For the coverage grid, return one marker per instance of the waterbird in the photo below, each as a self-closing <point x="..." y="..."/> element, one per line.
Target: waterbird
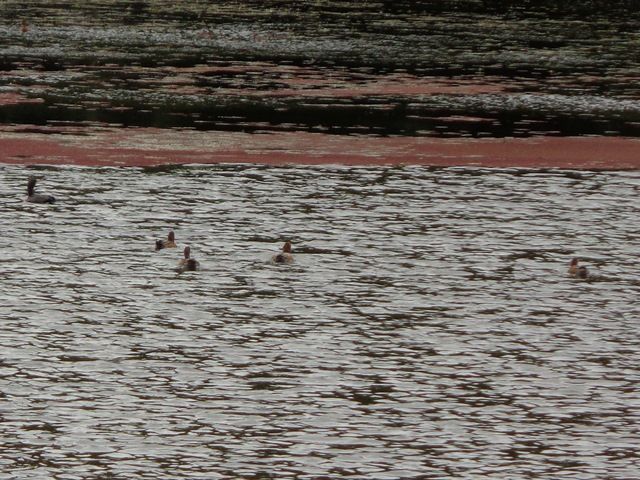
<point x="37" y="197"/>
<point x="170" y="242"/>
<point x="188" y="264"/>
<point x="578" y="271"/>
<point x="285" y="256"/>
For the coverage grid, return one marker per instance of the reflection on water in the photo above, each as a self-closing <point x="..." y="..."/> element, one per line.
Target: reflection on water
<point x="451" y="68"/>
<point x="426" y="330"/>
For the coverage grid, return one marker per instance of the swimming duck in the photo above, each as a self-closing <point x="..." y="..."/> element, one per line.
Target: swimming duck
<point x="285" y="256"/>
<point x="578" y="271"/>
<point x="188" y="264"/>
<point x="170" y="242"/>
<point x="37" y="197"/>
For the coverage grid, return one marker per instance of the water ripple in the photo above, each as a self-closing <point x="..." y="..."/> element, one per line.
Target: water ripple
<point x="426" y="330"/>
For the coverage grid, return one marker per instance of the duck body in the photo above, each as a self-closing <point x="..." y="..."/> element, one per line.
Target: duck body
<point x="41" y="198"/>
<point x="582" y="273"/>
<point x="37" y="197"/>
<point x="285" y="256"/>
<point x="170" y="242"/>
<point x="190" y="265"/>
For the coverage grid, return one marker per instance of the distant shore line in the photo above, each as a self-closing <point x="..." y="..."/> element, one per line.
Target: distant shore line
<point x="152" y="147"/>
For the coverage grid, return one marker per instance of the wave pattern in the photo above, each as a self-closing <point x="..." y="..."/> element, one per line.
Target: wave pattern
<point x="426" y="330"/>
<point x="522" y="69"/>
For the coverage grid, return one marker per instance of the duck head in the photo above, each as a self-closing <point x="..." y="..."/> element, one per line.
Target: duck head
<point x="573" y="267"/>
<point x="287" y="247"/>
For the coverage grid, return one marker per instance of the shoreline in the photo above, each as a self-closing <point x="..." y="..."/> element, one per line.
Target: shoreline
<point x="145" y="147"/>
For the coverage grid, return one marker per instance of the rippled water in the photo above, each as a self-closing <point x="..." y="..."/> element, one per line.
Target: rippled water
<point x="373" y="67"/>
<point x="426" y="330"/>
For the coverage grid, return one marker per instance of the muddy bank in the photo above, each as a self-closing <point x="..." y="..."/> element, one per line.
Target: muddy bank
<point x="149" y="147"/>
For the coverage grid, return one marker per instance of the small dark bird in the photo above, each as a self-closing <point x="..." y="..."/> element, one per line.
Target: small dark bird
<point x="170" y="242"/>
<point x="37" y="197"/>
<point x="579" y="271"/>
<point x="188" y="264"/>
<point x="285" y="256"/>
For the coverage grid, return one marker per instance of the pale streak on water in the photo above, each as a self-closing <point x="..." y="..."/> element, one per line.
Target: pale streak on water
<point x="426" y="330"/>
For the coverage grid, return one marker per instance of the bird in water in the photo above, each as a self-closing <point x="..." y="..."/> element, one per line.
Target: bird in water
<point x="285" y="256"/>
<point x="188" y="264"/>
<point x="578" y="271"/>
<point x="170" y="242"/>
<point x="37" y="197"/>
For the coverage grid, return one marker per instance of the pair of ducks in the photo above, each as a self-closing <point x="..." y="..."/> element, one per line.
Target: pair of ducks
<point x="188" y="264"/>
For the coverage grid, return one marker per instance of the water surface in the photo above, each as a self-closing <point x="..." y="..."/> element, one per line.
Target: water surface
<point x="426" y="330"/>
<point x="451" y="68"/>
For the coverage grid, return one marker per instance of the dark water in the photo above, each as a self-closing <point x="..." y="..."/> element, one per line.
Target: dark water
<point x="426" y="330"/>
<point x="556" y="68"/>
